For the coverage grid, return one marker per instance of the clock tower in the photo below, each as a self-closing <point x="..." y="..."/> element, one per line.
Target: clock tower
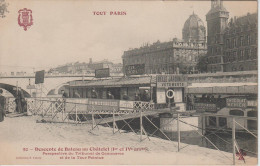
<point x="217" y="21"/>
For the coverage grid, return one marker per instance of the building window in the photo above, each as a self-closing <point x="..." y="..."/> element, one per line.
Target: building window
<point x="239" y="56"/>
<point x="236" y="112"/>
<point x="246" y="54"/>
<point x="232" y="44"/>
<point x="235" y="42"/>
<point x="227" y="43"/>
<point x="242" y="54"/>
<point x="241" y="68"/>
<point x="248" y="40"/>
<point x="235" y="55"/>
<point x="190" y="57"/>
<point x="241" y="40"/>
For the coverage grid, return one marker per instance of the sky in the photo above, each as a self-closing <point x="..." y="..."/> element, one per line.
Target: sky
<point x="68" y="31"/>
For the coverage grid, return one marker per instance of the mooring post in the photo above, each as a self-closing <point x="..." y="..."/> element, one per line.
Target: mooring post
<point x="51" y="110"/>
<point x="76" y="113"/>
<point x="141" y="125"/>
<point x="114" y="123"/>
<point x="93" y="121"/>
<point x="178" y="129"/>
<point x="203" y="125"/>
<point x="42" y="110"/>
<point x="234" y="139"/>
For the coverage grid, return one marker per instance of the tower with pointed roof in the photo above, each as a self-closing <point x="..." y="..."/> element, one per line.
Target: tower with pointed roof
<point x="217" y="21"/>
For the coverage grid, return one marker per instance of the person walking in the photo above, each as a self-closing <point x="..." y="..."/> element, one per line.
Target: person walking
<point x="2" y="106"/>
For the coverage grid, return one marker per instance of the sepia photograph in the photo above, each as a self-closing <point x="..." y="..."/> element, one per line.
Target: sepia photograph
<point x="128" y="82"/>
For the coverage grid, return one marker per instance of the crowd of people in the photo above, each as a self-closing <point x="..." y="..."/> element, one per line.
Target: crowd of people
<point x="144" y="96"/>
<point x="20" y="102"/>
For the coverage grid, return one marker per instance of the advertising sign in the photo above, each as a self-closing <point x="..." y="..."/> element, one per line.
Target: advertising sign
<point x="251" y="103"/>
<point x="205" y="107"/>
<point x="71" y="105"/>
<point x="126" y="105"/>
<point x="39" y="77"/>
<point x="101" y="73"/>
<point x="30" y="87"/>
<point x="236" y="102"/>
<point x="104" y="104"/>
<point x="171" y="80"/>
<point x="160" y="95"/>
<point x="137" y="69"/>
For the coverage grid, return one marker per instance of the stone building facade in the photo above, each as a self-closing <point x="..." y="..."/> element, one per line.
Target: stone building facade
<point x="232" y="46"/>
<point x="175" y="56"/>
<point x="88" y="68"/>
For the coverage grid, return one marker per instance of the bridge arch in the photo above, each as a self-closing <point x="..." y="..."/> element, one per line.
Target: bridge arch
<point x="12" y="89"/>
<point x="57" y="90"/>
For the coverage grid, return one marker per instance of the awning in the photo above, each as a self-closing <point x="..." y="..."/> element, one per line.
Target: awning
<point x="116" y="82"/>
<point x="222" y="88"/>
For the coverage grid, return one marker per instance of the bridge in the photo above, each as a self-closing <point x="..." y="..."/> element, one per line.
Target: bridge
<point x="51" y="82"/>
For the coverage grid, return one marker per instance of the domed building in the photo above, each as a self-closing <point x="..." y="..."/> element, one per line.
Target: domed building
<point x="178" y="56"/>
<point x="194" y="30"/>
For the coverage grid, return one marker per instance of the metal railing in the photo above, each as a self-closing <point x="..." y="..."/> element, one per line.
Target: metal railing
<point x="98" y="111"/>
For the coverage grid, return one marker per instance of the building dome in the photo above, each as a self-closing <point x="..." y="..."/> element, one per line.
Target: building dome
<point x="194" y="30"/>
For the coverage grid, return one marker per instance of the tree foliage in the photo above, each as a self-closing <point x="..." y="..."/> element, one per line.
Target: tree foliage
<point x="202" y="64"/>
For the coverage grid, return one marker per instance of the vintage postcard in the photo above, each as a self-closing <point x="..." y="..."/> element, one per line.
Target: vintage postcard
<point x="128" y="82"/>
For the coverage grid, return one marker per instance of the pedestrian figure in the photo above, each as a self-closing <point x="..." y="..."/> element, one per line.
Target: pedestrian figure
<point x="2" y="106"/>
<point x="137" y="97"/>
<point x="146" y="96"/>
<point x="125" y="96"/>
<point x="63" y="104"/>
<point x="76" y="94"/>
<point x="110" y="96"/>
<point x="19" y="101"/>
<point x="64" y="94"/>
<point x="189" y="102"/>
<point x="94" y="94"/>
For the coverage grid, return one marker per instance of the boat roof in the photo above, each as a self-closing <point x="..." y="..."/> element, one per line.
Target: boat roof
<point x="116" y="82"/>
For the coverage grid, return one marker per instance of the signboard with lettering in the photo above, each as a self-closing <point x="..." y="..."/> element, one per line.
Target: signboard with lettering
<point x="101" y="73"/>
<point x="236" y="102"/>
<point x="160" y="95"/>
<point x="171" y="80"/>
<point x="251" y="103"/>
<point x="126" y="105"/>
<point x="30" y="87"/>
<point x="73" y="103"/>
<point x="39" y="77"/>
<point x="137" y="69"/>
<point x="205" y="107"/>
<point x="103" y="104"/>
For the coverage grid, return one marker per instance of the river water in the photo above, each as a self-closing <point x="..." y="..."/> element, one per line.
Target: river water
<point x="223" y="141"/>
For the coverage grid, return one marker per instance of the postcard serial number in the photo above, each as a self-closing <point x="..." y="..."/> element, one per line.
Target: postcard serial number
<point x="103" y="13"/>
